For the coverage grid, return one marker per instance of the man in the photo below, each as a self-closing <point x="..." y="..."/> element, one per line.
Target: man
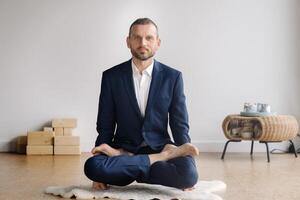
<point x="140" y="96"/>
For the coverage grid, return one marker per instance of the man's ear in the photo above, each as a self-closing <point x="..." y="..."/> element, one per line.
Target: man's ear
<point x="127" y="42"/>
<point x="159" y="42"/>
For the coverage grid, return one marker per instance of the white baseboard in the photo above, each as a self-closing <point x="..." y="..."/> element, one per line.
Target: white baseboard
<point x="10" y="146"/>
<point x="7" y="146"/>
<point x="216" y="146"/>
<point x="244" y="146"/>
<point x="204" y="146"/>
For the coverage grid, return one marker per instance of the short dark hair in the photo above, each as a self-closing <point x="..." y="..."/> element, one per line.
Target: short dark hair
<point x="143" y="21"/>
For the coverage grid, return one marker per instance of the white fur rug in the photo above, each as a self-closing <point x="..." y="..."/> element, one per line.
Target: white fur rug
<point x="138" y="191"/>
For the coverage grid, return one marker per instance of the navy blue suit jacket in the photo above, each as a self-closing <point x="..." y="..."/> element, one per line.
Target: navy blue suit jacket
<point x="120" y="123"/>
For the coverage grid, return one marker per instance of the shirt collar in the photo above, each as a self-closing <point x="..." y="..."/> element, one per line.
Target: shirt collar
<point x="147" y="71"/>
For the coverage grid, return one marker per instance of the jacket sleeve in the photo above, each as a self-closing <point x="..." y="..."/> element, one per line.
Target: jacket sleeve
<point x="178" y="114"/>
<point x="106" y="113"/>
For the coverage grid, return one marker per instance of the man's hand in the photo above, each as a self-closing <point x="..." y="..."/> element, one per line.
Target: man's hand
<point x="100" y="186"/>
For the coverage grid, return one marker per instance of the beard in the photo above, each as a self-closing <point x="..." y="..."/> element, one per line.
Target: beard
<point x="142" y="56"/>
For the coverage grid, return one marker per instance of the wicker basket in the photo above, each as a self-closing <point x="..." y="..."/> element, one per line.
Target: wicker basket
<point x="273" y="128"/>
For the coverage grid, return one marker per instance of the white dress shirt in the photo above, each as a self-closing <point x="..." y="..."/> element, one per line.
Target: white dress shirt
<point x="142" y="83"/>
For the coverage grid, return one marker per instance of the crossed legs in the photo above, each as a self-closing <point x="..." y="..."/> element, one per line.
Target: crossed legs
<point x="173" y="167"/>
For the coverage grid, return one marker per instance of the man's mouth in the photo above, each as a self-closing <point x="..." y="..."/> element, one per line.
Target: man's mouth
<point x="143" y="49"/>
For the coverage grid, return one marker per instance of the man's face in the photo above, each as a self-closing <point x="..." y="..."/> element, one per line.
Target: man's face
<point x="143" y="41"/>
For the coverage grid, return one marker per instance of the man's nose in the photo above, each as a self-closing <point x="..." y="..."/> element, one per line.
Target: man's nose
<point x="143" y="41"/>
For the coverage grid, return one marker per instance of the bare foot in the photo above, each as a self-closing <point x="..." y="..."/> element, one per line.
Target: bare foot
<point x="169" y="147"/>
<point x="186" y="149"/>
<point x="109" y="151"/>
<point x="100" y="186"/>
<point x="171" y="151"/>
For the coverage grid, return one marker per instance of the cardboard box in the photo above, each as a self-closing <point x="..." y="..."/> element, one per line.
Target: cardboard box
<point x="67" y="140"/>
<point x="48" y="129"/>
<point x="68" y="131"/>
<point x="39" y="138"/>
<point x="66" y="150"/>
<point x="64" y="123"/>
<point x="58" y="131"/>
<point x="39" y="150"/>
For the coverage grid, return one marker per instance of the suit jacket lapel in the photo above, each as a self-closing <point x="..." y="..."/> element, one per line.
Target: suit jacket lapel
<point x="128" y="82"/>
<point x="154" y="86"/>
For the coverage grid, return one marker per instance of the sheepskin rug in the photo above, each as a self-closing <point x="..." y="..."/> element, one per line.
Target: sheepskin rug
<point x="138" y="191"/>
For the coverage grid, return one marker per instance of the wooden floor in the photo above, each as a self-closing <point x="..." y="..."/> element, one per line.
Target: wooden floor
<point x="25" y="177"/>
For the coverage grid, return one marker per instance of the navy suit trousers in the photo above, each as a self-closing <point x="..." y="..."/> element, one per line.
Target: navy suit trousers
<point x="122" y="170"/>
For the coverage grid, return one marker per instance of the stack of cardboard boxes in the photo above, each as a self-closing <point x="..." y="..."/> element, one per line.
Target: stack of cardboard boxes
<point x="64" y="141"/>
<point x="40" y="143"/>
<point x="57" y="140"/>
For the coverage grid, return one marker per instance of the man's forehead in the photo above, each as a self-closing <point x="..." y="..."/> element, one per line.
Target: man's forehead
<point x="143" y="28"/>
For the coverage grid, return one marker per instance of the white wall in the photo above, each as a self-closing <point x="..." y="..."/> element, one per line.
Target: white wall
<point x="52" y="54"/>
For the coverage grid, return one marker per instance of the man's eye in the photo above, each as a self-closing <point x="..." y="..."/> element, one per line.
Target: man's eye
<point x="149" y="38"/>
